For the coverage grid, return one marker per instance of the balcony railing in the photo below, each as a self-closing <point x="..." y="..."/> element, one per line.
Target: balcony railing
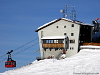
<point x="53" y="45"/>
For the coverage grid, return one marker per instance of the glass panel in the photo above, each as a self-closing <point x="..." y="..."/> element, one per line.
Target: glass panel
<point x="72" y="41"/>
<point x="60" y="41"/>
<point x="47" y="41"/>
<point x="54" y="41"/>
<point x="44" y="41"/>
<point x="72" y="34"/>
<point x="51" y="41"/>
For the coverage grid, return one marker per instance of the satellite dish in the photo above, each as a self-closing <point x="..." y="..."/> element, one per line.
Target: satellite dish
<point x="66" y="15"/>
<point x="62" y="11"/>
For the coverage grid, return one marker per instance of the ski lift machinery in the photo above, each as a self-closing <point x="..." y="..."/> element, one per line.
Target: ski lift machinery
<point x="96" y="25"/>
<point x="10" y="63"/>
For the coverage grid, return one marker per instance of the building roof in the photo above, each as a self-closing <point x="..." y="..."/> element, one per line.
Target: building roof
<point x="54" y="37"/>
<point x="56" y="20"/>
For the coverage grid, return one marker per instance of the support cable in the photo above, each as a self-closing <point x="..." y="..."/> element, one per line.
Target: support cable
<point x="3" y="55"/>
<point x="19" y="47"/>
<point x="21" y="51"/>
<point x="24" y="49"/>
<point x="25" y="44"/>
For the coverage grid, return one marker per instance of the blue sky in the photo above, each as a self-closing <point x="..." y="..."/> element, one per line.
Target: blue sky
<point x="20" y="18"/>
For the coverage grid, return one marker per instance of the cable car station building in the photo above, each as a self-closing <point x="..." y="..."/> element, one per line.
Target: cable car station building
<point x="63" y="37"/>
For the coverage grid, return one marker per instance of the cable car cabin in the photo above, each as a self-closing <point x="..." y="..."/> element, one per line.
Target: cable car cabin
<point x="10" y="64"/>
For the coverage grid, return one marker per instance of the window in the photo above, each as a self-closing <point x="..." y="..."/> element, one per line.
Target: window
<point x="72" y="41"/>
<point x="60" y="41"/>
<point x="72" y="25"/>
<point x="41" y="34"/>
<point x="64" y="26"/>
<point x="53" y="41"/>
<point x="87" y="27"/>
<point x="44" y="41"/>
<point x="47" y="41"/>
<point x="72" y="34"/>
<point x="71" y="48"/>
<point x="56" y="49"/>
<point x="65" y="33"/>
<point x="50" y="49"/>
<point x="44" y="49"/>
<point x="56" y="41"/>
<point x="56" y="26"/>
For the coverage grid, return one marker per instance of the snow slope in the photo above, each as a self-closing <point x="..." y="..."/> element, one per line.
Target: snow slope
<point x="86" y="62"/>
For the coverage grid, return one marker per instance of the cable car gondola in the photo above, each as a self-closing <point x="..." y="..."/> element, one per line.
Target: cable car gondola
<point x="10" y="63"/>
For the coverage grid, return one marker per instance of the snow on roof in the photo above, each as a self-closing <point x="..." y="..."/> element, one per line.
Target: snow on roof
<point x="49" y="23"/>
<point x="90" y="47"/>
<point x="78" y="22"/>
<point x="54" y="37"/>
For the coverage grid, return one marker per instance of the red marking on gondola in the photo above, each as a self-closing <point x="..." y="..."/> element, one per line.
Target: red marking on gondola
<point x="10" y="64"/>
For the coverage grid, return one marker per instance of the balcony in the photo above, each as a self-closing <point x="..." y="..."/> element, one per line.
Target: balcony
<point x="53" y="45"/>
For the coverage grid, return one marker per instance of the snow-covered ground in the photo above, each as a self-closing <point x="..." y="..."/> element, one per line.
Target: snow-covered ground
<point x="86" y="62"/>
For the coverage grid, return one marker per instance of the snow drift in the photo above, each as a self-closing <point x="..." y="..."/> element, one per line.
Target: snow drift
<point x="86" y="62"/>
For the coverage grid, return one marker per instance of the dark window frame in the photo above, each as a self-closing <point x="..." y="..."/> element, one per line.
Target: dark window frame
<point x="64" y="26"/>
<point x="57" y="26"/>
<point x="72" y="41"/>
<point x="71" y="48"/>
<point x="72" y="34"/>
<point x="72" y="25"/>
<point x="65" y="33"/>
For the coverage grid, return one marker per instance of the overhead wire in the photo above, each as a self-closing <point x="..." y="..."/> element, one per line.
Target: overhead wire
<point x="19" y="47"/>
<point x="21" y="51"/>
<point x="25" y="49"/>
<point x="25" y="44"/>
<point x="3" y="55"/>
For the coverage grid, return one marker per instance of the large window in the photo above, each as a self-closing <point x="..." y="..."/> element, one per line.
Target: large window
<point x="53" y="41"/>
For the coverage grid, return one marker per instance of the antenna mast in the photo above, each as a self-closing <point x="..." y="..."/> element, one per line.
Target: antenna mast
<point x="73" y="13"/>
<point x="64" y="11"/>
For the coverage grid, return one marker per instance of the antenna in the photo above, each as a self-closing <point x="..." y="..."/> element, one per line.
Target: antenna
<point x="73" y="13"/>
<point x="64" y="11"/>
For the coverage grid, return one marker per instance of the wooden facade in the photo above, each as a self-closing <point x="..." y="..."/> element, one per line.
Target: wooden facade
<point x="53" y="45"/>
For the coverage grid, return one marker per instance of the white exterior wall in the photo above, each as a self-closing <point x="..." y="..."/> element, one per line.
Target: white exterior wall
<point x="52" y="30"/>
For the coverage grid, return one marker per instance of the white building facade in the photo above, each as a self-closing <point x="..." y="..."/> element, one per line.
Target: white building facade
<point x="62" y="35"/>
